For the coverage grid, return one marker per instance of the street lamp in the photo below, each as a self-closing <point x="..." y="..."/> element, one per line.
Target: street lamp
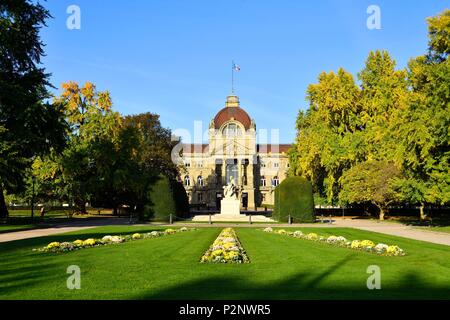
<point x="32" y="198"/>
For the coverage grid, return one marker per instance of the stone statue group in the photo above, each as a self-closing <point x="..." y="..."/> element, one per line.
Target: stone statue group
<point x="230" y="190"/>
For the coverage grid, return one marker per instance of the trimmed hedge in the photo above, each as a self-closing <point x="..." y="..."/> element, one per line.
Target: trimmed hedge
<point x="181" y="199"/>
<point x="294" y="196"/>
<point x="165" y="198"/>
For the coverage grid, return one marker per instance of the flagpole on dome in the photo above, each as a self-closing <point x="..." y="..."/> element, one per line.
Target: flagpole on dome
<point x="232" y="77"/>
<point x="234" y="67"/>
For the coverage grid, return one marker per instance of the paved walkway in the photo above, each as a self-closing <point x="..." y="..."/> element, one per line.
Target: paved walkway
<point x="395" y="229"/>
<point x="391" y="228"/>
<point x="61" y="228"/>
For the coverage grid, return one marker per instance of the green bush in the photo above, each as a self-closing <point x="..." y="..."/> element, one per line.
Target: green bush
<point x="165" y="198"/>
<point x="181" y="199"/>
<point x="294" y="196"/>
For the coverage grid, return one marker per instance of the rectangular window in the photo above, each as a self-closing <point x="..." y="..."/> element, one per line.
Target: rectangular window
<point x="200" y="197"/>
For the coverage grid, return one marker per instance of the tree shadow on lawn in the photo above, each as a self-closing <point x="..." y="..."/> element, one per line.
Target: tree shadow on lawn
<point x="439" y="221"/>
<point x="17" y="277"/>
<point x="21" y="268"/>
<point x="296" y="287"/>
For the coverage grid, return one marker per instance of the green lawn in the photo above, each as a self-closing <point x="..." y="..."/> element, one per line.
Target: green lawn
<point x="58" y="213"/>
<point x="167" y="268"/>
<point x="16" y="227"/>
<point x="27" y="213"/>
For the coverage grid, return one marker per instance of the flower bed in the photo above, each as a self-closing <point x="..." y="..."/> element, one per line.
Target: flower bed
<point x="106" y="240"/>
<point x="363" y="245"/>
<point x="225" y="249"/>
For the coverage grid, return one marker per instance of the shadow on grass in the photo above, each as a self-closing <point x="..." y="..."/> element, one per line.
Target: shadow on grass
<point x="435" y="222"/>
<point x="299" y="286"/>
<point x="17" y="276"/>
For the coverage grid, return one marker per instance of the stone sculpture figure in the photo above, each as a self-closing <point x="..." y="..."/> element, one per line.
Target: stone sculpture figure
<point x="230" y="189"/>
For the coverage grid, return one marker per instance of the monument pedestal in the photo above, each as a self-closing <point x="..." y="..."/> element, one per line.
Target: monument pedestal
<point x="230" y="207"/>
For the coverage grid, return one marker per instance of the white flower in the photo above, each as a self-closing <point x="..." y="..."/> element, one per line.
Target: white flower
<point x="268" y="229"/>
<point x="155" y="234"/>
<point x="331" y="239"/>
<point x="116" y="239"/>
<point x="107" y="239"/>
<point x="298" y="234"/>
<point x="381" y="248"/>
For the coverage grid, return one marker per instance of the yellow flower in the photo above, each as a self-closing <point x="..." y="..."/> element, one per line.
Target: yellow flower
<point x="53" y="245"/>
<point x="89" y="242"/>
<point x="367" y="243"/>
<point x="355" y="244"/>
<point x="136" y="236"/>
<point x="78" y="243"/>
<point x="231" y="255"/>
<point x="169" y="231"/>
<point x="394" y="250"/>
<point x="228" y="245"/>
<point x="312" y="236"/>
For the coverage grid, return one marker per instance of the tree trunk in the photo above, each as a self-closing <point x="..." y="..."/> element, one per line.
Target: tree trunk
<point x="381" y="214"/>
<point x="3" y="209"/>
<point x="80" y="206"/>
<point x="422" y="212"/>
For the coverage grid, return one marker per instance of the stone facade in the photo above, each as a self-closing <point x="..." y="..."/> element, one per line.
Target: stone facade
<point x="233" y="151"/>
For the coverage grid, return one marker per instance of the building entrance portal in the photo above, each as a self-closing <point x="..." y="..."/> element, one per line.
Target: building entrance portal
<point x="232" y="170"/>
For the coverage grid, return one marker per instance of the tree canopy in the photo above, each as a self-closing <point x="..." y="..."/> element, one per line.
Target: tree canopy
<point x="400" y="117"/>
<point x="29" y="125"/>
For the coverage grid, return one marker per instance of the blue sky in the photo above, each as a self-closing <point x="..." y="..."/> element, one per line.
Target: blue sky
<point x="174" y="57"/>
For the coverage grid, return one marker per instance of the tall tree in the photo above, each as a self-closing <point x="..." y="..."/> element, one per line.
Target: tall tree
<point x="423" y="130"/>
<point x="384" y="97"/>
<point x="370" y="181"/>
<point x="28" y="126"/>
<point x="93" y="127"/>
<point x="328" y="140"/>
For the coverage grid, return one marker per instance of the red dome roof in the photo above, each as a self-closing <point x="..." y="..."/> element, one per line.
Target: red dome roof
<point x="232" y="113"/>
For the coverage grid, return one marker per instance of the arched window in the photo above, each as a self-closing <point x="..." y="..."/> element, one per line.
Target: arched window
<point x="200" y="181"/>
<point x="187" y="181"/>
<point x="263" y="181"/>
<point x="275" y="181"/>
<point x="232" y="130"/>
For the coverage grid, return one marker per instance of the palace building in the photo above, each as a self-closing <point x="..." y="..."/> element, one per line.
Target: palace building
<point x="233" y="152"/>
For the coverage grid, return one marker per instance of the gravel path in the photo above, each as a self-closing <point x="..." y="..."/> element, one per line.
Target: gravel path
<point x="61" y="228"/>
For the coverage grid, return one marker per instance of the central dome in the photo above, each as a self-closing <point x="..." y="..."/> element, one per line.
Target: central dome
<point x="232" y="111"/>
